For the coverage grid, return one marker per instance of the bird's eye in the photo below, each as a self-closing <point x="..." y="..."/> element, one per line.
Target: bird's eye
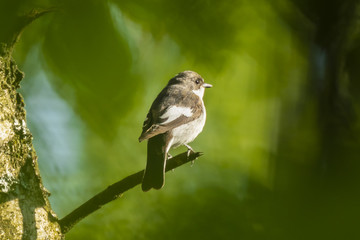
<point x="197" y="81"/>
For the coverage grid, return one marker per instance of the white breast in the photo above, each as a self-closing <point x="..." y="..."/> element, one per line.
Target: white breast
<point x="200" y="92"/>
<point x="188" y="132"/>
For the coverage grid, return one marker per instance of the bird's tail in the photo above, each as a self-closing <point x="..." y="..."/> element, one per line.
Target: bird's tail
<point x="154" y="176"/>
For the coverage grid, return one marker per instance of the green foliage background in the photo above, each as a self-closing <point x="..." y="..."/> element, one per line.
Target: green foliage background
<point x="271" y="168"/>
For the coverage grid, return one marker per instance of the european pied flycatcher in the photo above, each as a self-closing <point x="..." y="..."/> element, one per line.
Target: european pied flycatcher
<point x="175" y="118"/>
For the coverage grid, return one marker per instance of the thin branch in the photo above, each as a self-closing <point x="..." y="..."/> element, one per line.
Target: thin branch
<point x="29" y="18"/>
<point x="115" y="191"/>
<point x="20" y="23"/>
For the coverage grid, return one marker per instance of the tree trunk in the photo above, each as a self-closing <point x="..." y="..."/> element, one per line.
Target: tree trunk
<point x="25" y="211"/>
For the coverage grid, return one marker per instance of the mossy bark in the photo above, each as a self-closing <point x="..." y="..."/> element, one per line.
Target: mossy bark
<point x="25" y="211"/>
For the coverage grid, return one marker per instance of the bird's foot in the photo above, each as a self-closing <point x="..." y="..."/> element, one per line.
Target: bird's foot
<point x="189" y="151"/>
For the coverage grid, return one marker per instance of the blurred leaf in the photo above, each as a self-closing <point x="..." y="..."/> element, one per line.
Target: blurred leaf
<point x="205" y="30"/>
<point x="91" y="64"/>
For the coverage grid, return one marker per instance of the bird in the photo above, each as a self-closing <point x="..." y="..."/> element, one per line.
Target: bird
<point x="176" y="117"/>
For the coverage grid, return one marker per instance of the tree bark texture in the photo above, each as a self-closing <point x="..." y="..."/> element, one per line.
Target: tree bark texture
<point x="25" y="211"/>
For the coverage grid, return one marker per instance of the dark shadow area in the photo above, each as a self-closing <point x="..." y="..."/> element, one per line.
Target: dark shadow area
<point x="307" y="213"/>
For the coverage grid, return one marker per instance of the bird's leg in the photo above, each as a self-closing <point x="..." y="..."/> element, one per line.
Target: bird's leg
<point x="189" y="149"/>
<point x="168" y="157"/>
<point x="189" y="152"/>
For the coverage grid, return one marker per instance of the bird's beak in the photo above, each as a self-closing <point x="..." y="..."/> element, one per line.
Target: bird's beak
<point x="206" y="85"/>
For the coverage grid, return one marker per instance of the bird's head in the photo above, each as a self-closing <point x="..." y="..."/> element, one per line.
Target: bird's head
<point x="192" y="81"/>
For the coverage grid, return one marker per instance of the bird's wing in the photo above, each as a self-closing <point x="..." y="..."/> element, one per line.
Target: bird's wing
<point x="174" y="112"/>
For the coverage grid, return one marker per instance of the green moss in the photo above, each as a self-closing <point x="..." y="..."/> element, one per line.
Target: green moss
<point x="25" y="212"/>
